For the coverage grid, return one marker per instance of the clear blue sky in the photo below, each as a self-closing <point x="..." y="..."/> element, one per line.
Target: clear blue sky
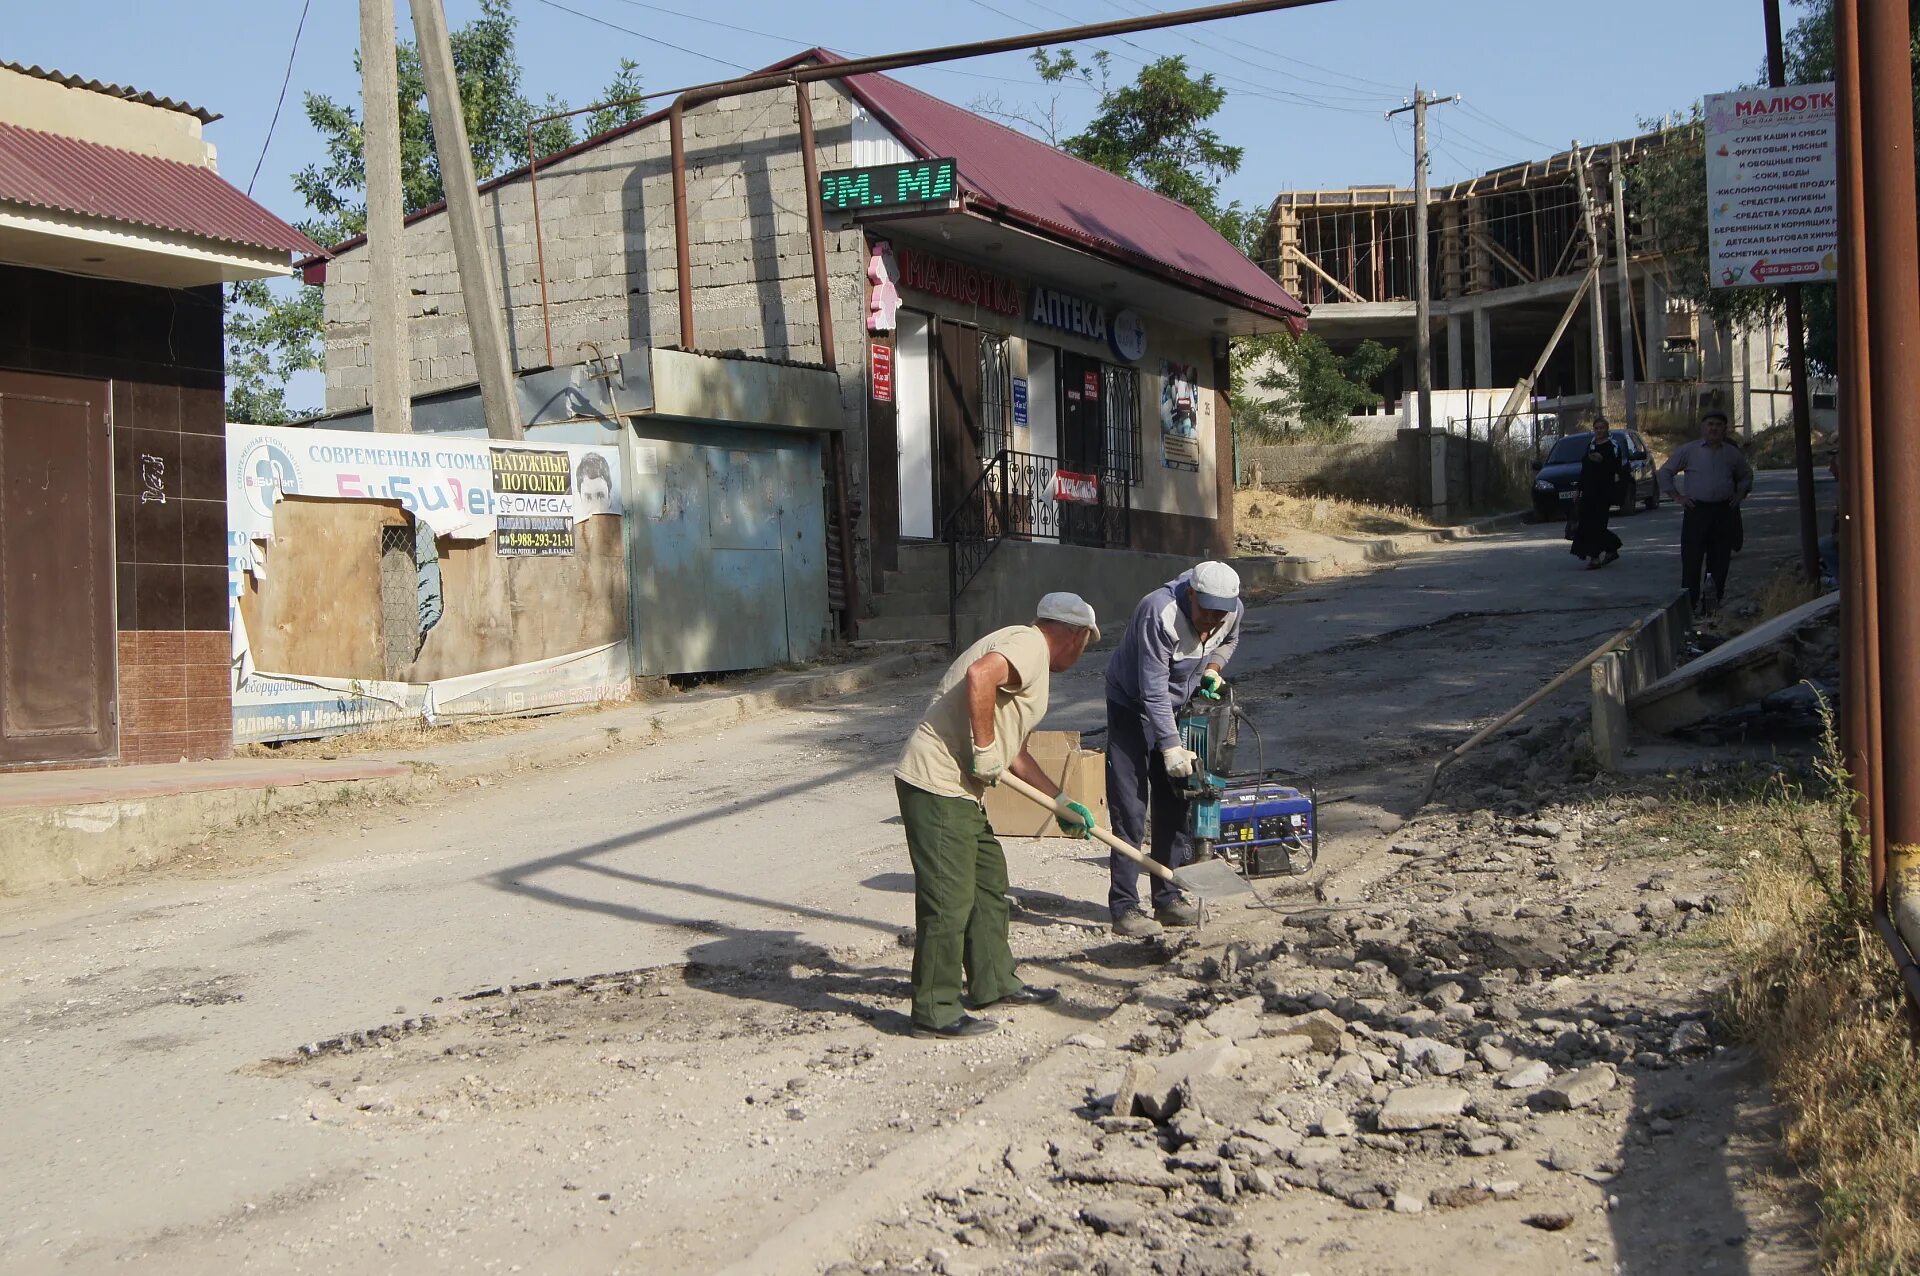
<point x="1307" y="87"/>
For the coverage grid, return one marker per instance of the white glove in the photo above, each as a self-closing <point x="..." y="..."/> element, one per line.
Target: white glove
<point x="1179" y="762"/>
<point x="987" y="766"/>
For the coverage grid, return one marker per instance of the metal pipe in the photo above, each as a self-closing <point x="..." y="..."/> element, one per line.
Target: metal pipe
<point x="1892" y="279"/>
<point x="682" y="252"/>
<point x="816" y="223"/>
<point x="539" y="244"/>
<point x="1860" y="667"/>
<point x="763" y="80"/>
<point x="1796" y="350"/>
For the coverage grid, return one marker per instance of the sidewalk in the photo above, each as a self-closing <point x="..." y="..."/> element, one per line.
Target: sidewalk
<point x="84" y="825"/>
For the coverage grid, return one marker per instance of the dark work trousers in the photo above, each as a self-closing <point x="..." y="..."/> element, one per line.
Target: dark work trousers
<point x="959" y="906"/>
<point x="1707" y="534"/>
<point x="1137" y="778"/>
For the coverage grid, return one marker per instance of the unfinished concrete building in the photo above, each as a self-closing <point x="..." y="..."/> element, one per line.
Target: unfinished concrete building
<point x="1508" y="251"/>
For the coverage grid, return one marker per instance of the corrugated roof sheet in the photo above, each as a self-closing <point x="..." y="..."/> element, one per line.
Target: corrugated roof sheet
<point x="1025" y="180"/>
<point x="44" y="170"/>
<point x="114" y="90"/>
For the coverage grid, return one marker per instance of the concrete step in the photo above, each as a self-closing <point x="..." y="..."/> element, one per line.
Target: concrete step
<point x="927" y="627"/>
<point x="916" y="599"/>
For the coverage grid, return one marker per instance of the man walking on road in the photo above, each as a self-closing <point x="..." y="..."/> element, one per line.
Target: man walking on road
<point x="975" y="730"/>
<point x="1179" y="641"/>
<point x="1718" y="479"/>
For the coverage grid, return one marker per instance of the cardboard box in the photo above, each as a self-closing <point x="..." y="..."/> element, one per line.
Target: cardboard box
<point x="1080" y="773"/>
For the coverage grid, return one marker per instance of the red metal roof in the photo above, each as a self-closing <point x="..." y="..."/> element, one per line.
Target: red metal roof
<point x="44" y="170"/>
<point x="1023" y="180"/>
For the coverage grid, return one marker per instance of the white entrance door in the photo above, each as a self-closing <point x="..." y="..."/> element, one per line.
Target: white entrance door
<point x="913" y="402"/>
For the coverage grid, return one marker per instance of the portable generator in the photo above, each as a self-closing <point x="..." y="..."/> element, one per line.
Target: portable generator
<point x="1263" y="827"/>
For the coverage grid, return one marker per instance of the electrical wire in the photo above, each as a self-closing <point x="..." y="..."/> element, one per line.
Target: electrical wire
<point x="1346" y="90"/>
<point x="649" y="37"/>
<point x="1274" y="53"/>
<point x="285" y="80"/>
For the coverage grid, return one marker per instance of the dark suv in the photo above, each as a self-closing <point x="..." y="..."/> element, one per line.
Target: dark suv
<point x="1555" y="478"/>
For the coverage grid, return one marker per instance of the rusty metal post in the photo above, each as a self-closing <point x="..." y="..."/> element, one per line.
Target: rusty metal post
<point x="1892" y="279"/>
<point x="683" y="252"/>
<point x="539" y="243"/>
<point x="1800" y="396"/>
<point x="816" y="223"/>
<point x="1860" y="667"/>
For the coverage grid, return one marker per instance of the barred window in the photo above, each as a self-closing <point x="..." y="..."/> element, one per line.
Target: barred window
<point x="996" y="396"/>
<point x="1121" y="389"/>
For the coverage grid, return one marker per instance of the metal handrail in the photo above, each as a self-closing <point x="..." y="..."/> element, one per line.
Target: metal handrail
<point x="1012" y="496"/>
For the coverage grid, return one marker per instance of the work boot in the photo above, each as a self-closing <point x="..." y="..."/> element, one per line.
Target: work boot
<point x="1134" y="924"/>
<point x="1179" y="913"/>
<point x="964" y="1026"/>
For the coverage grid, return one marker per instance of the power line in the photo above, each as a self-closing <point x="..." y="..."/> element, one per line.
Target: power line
<point x="651" y="38"/>
<point x="285" y="80"/>
<point x="1479" y="114"/>
<point x="1352" y="80"/>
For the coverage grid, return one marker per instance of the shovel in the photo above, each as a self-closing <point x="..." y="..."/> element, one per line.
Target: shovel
<point x="1207" y="879"/>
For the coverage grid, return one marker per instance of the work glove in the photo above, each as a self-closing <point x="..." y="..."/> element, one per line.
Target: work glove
<point x="987" y="765"/>
<point x="1179" y="762"/>
<point x="1075" y="821"/>
<point x="1212" y="685"/>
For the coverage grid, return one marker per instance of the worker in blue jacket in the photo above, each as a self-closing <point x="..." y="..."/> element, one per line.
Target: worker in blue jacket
<point x="1178" y="642"/>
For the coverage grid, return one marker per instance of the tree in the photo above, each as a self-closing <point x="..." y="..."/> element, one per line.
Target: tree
<point x="1302" y="380"/>
<point x="1669" y="186"/>
<point x="273" y="334"/>
<point x="625" y="84"/>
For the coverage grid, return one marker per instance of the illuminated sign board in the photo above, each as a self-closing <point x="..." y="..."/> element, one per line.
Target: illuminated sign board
<point x="860" y="190"/>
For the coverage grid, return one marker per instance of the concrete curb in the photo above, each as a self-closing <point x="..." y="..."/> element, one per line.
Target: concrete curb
<point x="89" y="841"/>
<point x="1268" y="571"/>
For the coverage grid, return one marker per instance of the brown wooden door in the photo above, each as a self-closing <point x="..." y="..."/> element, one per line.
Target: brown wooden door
<point x="956" y="396"/>
<point x="57" y="658"/>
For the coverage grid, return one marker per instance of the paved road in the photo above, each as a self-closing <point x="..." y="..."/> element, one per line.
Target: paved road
<point x="133" y="1017"/>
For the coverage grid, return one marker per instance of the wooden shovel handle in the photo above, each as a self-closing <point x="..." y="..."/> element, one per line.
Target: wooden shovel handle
<point x="1027" y="791"/>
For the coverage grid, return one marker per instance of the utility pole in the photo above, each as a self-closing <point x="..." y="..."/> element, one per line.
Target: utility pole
<point x="1423" y="284"/>
<point x="479" y="289"/>
<point x="1596" y="299"/>
<point x="386" y="219"/>
<point x="1796" y="352"/>
<point x="1622" y="251"/>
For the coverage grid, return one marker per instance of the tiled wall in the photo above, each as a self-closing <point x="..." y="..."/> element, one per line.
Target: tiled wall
<point x="162" y="351"/>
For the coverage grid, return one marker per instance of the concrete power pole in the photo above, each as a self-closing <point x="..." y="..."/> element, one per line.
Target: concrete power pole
<point x="479" y="289"/>
<point x="386" y="216"/>
<point x="1596" y="296"/>
<point x="1622" y="250"/>
<point x="1422" y="282"/>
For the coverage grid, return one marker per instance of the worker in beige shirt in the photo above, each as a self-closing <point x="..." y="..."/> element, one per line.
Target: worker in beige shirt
<point x="1718" y="478"/>
<point x="975" y="730"/>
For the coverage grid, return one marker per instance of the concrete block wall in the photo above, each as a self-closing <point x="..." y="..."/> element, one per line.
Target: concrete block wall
<point x="606" y="218"/>
<point x="607" y="224"/>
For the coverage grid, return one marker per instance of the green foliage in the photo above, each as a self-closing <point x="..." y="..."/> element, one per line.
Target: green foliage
<point x="271" y="335"/>
<point x="1671" y="186"/>
<point x="626" y="84"/>
<point x="1303" y="381"/>
<point x="1154" y="132"/>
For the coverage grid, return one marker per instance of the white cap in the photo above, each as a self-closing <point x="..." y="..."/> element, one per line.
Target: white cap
<point x="1068" y="609"/>
<point x="1216" y="586"/>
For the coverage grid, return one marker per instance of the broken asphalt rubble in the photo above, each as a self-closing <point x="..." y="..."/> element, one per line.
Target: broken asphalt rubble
<point x="1374" y="1053"/>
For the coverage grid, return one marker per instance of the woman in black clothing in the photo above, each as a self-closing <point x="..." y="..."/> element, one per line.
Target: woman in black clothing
<point x="1603" y="470"/>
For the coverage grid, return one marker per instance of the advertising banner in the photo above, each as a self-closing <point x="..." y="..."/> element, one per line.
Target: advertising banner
<point x="1773" y="186"/>
<point x="458" y="487"/>
<point x="1179" y="415"/>
<point x="1076" y="489"/>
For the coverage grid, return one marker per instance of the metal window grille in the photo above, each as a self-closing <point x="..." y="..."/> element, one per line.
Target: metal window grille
<point x="996" y="395"/>
<point x="399" y="600"/>
<point x="1121" y="387"/>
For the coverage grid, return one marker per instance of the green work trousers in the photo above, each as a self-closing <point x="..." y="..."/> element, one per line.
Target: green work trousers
<point x="959" y="905"/>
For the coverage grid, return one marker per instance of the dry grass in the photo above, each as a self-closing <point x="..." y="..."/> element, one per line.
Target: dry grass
<point x="1271" y="513"/>
<point x="1787" y="587"/>
<point x="1816" y="994"/>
